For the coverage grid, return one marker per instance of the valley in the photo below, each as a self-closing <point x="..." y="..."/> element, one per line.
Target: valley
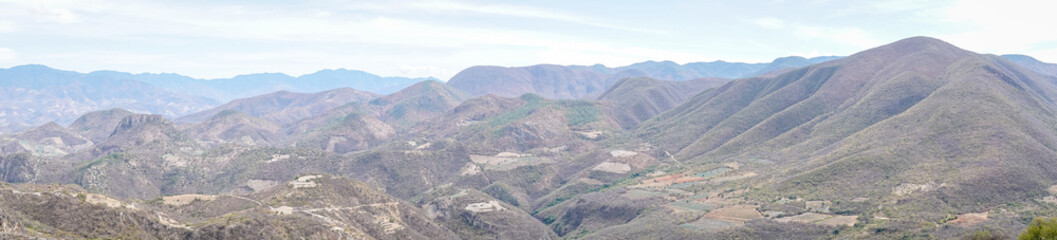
<point x="916" y="139"/>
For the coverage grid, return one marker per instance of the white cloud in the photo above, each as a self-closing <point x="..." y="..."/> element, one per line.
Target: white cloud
<point x="851" y="36"/>
<point x="770" y="23"/>
<point x="530" y="12"/>
<point x="1000" y="27"/>
<point x="407" y="70"/>
<point x="6" y="54"/>
<point x="7" y="26"/>
<point x="49" y="11"/>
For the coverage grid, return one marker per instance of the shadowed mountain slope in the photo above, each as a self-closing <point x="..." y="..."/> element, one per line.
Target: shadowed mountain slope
<point x="633" y="100"/>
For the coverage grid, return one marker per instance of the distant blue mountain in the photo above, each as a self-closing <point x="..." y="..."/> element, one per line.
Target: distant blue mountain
<point x="242" y="86"/>
<point x="32" y="95"/>
<point x="1033" y="64"/>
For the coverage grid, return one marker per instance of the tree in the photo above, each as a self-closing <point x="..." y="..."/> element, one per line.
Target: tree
<point x="1042" y="229"/>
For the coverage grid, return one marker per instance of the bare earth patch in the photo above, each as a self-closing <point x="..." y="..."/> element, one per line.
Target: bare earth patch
<point x="622" y="153"/>
<point x="613" y="167"/>
<point x="505" y="161"/>
<point x="591" y="181"/>
<point x="485" y="207"/>
<point x="171" y="223"/>
<point x="283" y="210"/>
<point x="1050" y="199"/>
<point x="841" y="221"/>
<point x="908" y="188"/>
<point x="180" y="200"/>
<point x="260" y="185"/>
<point x="735" y="177"/>
<point x="99" y="199"/>
<point x="970" y="218"/>
<point x="591" y="135"/>
<point x="305" y="181"/>
<point x="823" y="219"/>
<point x="738" y="213"/>
<point x="469" y="170"/>
<point x="278" y="157"/>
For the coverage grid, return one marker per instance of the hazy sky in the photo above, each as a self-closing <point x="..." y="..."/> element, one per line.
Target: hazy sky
<point x="219" y="39"/>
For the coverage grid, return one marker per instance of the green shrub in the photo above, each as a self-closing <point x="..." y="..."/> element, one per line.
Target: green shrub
<point x="1040" y="228"/>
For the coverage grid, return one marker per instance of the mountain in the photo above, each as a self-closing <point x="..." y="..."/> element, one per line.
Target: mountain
<point x="98" y="125"/>
<point x="417" y="103"/>
<point x="33" y="95"/>
<point x="489" y="218"/>
<point x="633" y="100"/>
<point x="49" y="140"/>
<point x="133" y="161"/>
<point x="1033" y="64"/>
<point x="918" y="122"/>
<point x="284" y="107"/>
<point x="248" y="85"/>
<point x="349" y="128"/>
<point x="29" y="89"/>
<point x="587" y="82"/>
<point x="916" y="139"/>
<point x="234" y="126"/>
<point x="18" y="168"/>
<point x="668" y="70"/>
<point x="550" y="81"/>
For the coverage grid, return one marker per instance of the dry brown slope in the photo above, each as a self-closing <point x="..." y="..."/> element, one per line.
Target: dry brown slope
<point x="285" y="107"/>
<point x="915" y="111"/>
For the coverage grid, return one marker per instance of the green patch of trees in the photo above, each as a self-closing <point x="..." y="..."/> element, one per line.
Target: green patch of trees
<point x="1040" y="229"/>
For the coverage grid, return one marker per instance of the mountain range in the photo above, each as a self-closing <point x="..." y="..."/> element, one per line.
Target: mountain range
<point x="67" y="94"/>
<point x="915" y="139"/>
<point x="587" y="82"/>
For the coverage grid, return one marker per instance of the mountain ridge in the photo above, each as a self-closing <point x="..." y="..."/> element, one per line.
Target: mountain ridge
<point x="587" y="82"/>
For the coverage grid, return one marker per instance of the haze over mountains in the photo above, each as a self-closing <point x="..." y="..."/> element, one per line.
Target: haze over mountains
<point x="913" y="139"/>
<point x="67" y="94"/>
<point x="586" y="82"/>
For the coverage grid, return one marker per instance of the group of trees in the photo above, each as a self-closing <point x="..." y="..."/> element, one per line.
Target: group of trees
<point x="1039" y="229"/>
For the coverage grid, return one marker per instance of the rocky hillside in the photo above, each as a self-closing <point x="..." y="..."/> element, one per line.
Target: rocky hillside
<point x="311" y="206"/>
<point x="98" y="125"/>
